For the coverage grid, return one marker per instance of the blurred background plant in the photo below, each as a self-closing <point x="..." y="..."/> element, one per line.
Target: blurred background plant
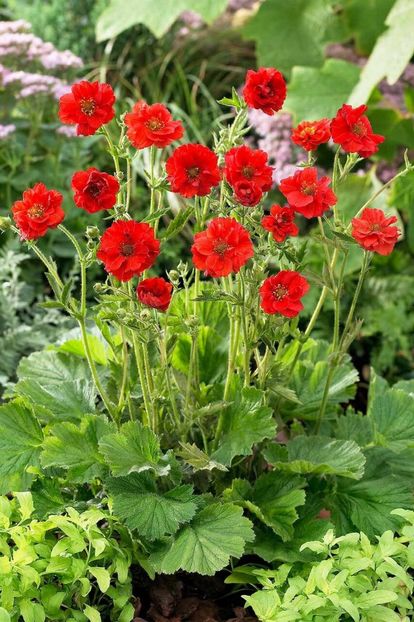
<point x="189" y="54"/>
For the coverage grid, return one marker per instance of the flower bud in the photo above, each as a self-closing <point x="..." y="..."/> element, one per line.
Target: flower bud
<point x="145" y="315"/>
<point x="5" y="223"/>
<point x="92" y="233"/>
<point x="174" y="277"/>
<point x="100" y="288"/>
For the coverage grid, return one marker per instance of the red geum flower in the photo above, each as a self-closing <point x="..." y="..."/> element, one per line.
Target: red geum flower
<point x="193" y="170"/>
<point x="224" y="247"/>
<point x="374" y="231"/>
<point x="152" y="125"/>
<point x="88" y="106"/>
<point x="245" y="164"/>
<point x="282" y="293"/>
<point x="247" y="193"/>
<point x="307" y="194"/>
<point x="352" y="130"/>
<point x="265" y="89"/>
<point x="155" y="293"/>
<point x="280" y="222"/>
<point x="127" y="248"/>
<point x="311" y="134"/>
<point x="94" y="190"/>
<point x="39" y="210"/>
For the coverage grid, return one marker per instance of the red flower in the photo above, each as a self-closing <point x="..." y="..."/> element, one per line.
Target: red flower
<point x="309" y="195"/>
<point x="89" y="106"/>
<point x="155" y="293"/>
<point x="247" y="193"/>
<point x="94" y="190"/>
<point x="224" y="247"/>
<point x="39" y="210"/>
<point x="245" y="164"/>
<point x="265" y="89"/>
<point x="375" y="232"/>
<point x="282" y="293"/>
<point x="152" y="125"/>
<point x="280" y="222"/>
<point x="311" y="134"/>
<point x="352" y="130"/>
<point x="127" y="248"/>
<point x="193" y="170"/>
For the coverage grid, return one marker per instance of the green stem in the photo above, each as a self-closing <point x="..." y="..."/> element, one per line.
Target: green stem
<point x="247" y="353"/>
<point x="355" y="298"/>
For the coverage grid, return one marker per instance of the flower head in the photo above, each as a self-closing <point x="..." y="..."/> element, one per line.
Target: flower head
<point x="127" y="248"/>
<point x="352" y="130"/>
<point x="265" y="89"/>
<point x="94" y="190"/>
<point x="155" y="293"/>
<point x="39" y="210"/>
<point x="311" y="134"/>
<point x="282" y="293"/>
<point x="307" y="194"/>
<point x="375" y="232"/>
<point x="247" y="193"/>
<point x="223" y="248"/>
<point x="280" y="223"/>
<point x="245" y="164"/>
<point x="193" y="170"/>
<point x="152" y="126"/>
<point x="89" y="105"/>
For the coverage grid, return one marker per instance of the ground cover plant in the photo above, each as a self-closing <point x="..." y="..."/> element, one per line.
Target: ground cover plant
<point x="198" y="411"/>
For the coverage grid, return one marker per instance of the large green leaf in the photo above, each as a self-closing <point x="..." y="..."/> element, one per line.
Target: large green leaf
<point x="58" y="385"/>
<point x="246" y="422"/>
<point x="315" y="93"/>
<point x="135" y="448"/>
<point x="272" y="500"/>
<point x="366" y="505"/>
<point x="319" y="455"/>
<point x="21" y="439"/>
<point x="152" y="513"/>
<point x="392" y="417"/>
<point x="391" y="53"/>
<point x="309" y="379"/>
<point x="290" y="33"/>
<point x="366" y="21"/>
<point x="75" y="447"/>
<point x="158" y="16"/>
<point x="205" y="546"/>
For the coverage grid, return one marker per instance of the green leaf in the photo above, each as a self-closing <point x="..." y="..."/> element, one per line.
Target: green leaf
<point x="392" y="417"/>
<point x="75" y="447"/>
<point x="198" y="459"/>
<point x="56" y="383"/>
<point x="21" y="438"/>
<point x="354" y="427"/>
<point x="366" y="505"/>
<point x="265" y="604"/>
<point x="367" y="21"/>
<point x="273" y="500"/>
<point x="319" y="455"/>
<point x="391" y="54"/>
<point x="31" y="611"/>
<point x="97" y="349"/>
<point x="309" y="379"/>
<point x="135" y="448"/>
<point x="179" y="222"/>
<point x="92" y="614"/>
<point x="316" y="93"/>
<point x="246" y="422"/>
<point x="153" y="514"/>
<point x="205" y="546"/>
<point x="158" y="17"/>
<point x="290" y="33"/>
<point x="278" y="495"/>
<point x="102" y="576"/>
<point x="4" y="615"/>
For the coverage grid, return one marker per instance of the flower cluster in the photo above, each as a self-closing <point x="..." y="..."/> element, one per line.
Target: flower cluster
<point x="224" y="245"/>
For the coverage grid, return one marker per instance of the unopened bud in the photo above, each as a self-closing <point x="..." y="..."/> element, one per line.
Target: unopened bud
<point x="5" y="223"/>
<point x="174" y="277"/>
<point x="100" y="288"/>
<point x="145" y="315"/>
<point x="92" y="233"/>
